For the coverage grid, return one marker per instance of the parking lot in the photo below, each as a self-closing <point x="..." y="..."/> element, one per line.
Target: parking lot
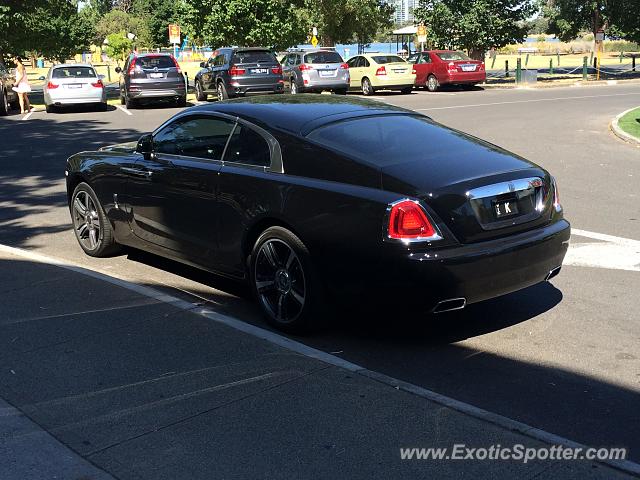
<point x="561" y="357"/>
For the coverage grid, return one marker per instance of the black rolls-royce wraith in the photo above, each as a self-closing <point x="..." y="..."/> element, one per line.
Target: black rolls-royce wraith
<point x="312" y="197"/>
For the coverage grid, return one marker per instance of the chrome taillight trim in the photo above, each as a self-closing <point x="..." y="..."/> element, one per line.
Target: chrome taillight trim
<point x="556" y="204"/>
<point x="407" y="241"/>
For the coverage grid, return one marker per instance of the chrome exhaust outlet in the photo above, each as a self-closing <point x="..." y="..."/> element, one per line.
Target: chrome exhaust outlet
<point x="449" y="305"/>
<point x="552" y="273"/>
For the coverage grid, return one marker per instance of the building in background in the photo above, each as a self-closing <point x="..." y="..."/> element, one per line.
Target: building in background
<point x="403" y="11"/>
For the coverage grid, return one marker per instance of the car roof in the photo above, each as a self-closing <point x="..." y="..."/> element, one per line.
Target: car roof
<point x="67" y="65"/>
<point x="153" y="54"/>
<point x="299" y="114"/>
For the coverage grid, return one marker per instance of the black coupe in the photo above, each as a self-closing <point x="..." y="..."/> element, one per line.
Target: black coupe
<point x="313" y="197"/>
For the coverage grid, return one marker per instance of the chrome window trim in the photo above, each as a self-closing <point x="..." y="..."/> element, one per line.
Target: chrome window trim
<point x="408" y="241"/>
<point x="505" y="187"/>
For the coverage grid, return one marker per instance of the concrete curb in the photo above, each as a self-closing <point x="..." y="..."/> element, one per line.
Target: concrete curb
<point x="626" y="466"/>
<point x="618" y="132"/>
<point x="559" y="84"/>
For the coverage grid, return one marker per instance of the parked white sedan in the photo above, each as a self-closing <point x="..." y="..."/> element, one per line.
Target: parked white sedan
<point x="73" y="84"/>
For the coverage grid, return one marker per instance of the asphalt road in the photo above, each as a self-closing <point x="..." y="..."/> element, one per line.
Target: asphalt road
<point x="562" y="357"/>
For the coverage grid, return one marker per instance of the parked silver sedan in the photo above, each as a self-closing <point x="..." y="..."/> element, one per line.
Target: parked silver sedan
<point x="73" y="84"/>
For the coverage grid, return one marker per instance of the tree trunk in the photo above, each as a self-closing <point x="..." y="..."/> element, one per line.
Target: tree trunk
<point x="476" y="54"/>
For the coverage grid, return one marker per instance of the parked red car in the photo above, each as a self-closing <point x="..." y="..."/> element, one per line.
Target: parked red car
<point x="439" y="67"/>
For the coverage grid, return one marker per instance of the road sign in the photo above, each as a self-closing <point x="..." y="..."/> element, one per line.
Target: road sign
<point x="314" y="41"/>
<point x="600" y="36"/>
<point x="174" y="34"/>
<point x="422" y="31"/>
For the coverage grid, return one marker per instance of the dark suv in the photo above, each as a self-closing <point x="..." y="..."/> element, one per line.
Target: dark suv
<point x="237" y="71"/>
<point x="151" y="76"/>
<point x="8" y="98"/>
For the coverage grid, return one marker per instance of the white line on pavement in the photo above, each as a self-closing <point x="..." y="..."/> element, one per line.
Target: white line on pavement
<point x="120" y="107"/>
<point x="28" y="115"/>
<point x="609" y="252"/>
<point x="555" y="99"/>
<point x="276" y="339"/>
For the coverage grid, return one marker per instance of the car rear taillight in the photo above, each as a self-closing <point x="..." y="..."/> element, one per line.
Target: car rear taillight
<point x="52" y="85"/>
<point x="556" y="195"/>
<point x="304" y="67"/>
<point x="98" y="84"/>
<point x="344" y="66"/>
<point x="235" y="71"/>
<point x="132" y="67"/>
<point x="409" y="221"/>
<point x="381" y="71"/>
<point x="276" y="70"/>
<point x="413" y="71"/>
<point x="481" y="67"/>
<point x="175" y="62"/>
<point x="452" y="67"/>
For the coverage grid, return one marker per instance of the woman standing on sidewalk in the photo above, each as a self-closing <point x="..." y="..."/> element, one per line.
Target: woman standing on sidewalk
<point x="22" y="87"/>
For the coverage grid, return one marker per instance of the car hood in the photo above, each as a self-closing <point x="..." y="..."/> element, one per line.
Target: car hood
<point x="128" y="147"/>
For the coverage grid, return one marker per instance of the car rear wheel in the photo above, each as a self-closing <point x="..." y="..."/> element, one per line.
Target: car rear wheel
<point x="200" y="95"/>
<point x="4" y="103"/>
<point x="122" y="98"/>
<point x="221" y="91"/>
<point x="90" y="225"/>
<point x="181" y="102"/>
<point x="128" y="102"/>
<point x="367" y="88"/>
<point x="432" y="83"/>
<point x="50" y="108"/>
<point x="284" y="281"/>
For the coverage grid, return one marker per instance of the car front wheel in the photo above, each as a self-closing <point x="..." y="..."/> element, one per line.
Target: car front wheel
<point x="284" y="281"/>
<point x="90" y="224"/>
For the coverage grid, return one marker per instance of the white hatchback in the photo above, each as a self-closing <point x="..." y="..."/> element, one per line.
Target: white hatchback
<point x="73" y="84"/>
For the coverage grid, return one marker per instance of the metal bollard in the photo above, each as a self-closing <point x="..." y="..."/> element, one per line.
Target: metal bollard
<point x="518" y="70"/>
<point x="584" y="68"/>
<point x="551" y="66"/>
<point x="526" y="60"/>
<point x="633" y="63"/>
<point x="109" y="73"/>
<point x="506" y="69"/>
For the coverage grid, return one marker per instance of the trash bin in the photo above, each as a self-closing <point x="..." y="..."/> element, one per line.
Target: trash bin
<point x="529" y="76"/>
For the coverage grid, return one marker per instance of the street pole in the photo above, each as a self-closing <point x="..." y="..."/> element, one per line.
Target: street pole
<point x="584" y="68"/>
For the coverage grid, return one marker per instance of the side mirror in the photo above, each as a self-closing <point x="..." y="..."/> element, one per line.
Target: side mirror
<point x="118" y="70"/>
<point x="203" y="65"/>
<point x="145" y="145"/>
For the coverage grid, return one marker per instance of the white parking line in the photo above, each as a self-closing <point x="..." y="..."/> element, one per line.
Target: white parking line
<point x="555" y="99"/>
<point x="120" y="107"/>
<point x="284" y="342"/>
<point x="609" y="252"/>
<point x="28" y="115"/>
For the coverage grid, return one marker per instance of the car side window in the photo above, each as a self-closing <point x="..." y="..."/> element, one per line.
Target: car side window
<point x="219" y="61"/>
<point x="425" y="58"/>
<point x="365" y="62"/>
<point x="352" y="62"/>
<point x="201" y="137"/>
<point x="248" y="147"/>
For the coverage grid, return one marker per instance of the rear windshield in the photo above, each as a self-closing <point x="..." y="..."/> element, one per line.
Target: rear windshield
<point x="323" y="57"/>
<point x="452" y="56"/>
<point x="382" y="59"/>
<point x="254" y="57"/>
<point x="385" y="140"/>
<point x="160" y="61"/>
<point x="74" y="72"/>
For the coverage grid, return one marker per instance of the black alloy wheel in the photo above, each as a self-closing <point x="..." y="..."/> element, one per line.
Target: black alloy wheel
<point x="90" y="225"/>
<point x="200" y="95"/>
<point x="221" y="92"/>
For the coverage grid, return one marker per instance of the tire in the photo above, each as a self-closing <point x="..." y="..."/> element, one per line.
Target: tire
<point x="4" y="103"/>
<point x="181" y="102"/>
<point x="221" y="91"/>
<point x="200" y="95"/>
<point x="432" y="83"/>
<point x="340" y="91"/>
<point x="284" y="281"/>
<point x="103" y="107"/>
<point x="367" y="88"/>
<point x="122" y="98"/>
<point x="128" y="102"/>
<point x="293" y="87"/>
<point x="90" y="224"/>
<point x="406" y="91"/>
<point x="50" y="108"/>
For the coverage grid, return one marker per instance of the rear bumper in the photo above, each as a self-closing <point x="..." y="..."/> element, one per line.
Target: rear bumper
<point x="51" y="98"/>
<point x="465" y="77"/>
<point x="335" y="84"/>
<point x="394" y="83"/>
<point x="169" y="92"/>
<point x="475" y="272"/>
<point x="239" y="88"/>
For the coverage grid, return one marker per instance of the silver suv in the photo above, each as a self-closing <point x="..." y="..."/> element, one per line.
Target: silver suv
<point x="315" y="70"/>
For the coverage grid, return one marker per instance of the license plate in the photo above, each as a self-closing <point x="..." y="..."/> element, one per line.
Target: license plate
<point x="505" y="208"/>
<point x="156" y="75"/>
<point x="400" y="71"/>
<point x="74" y="85"/>
<point x="260" y="70"/>
<point x="468" y="68"/>
<point x="327" y="73"/>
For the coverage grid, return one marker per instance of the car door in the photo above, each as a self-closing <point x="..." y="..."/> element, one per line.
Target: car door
<point x="207" y="76"/>
<point x="252" y="161"/>
<point x="355" y="71"/>
<point x="220" y="70"/>
<point x="173" y="189"/>
<point x="424" y="68"/>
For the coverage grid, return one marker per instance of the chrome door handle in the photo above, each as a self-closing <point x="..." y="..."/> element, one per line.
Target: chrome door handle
<point x="136" y="172"/>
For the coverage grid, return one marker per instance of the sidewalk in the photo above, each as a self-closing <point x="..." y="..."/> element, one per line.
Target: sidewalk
<point x="123" y="384"/>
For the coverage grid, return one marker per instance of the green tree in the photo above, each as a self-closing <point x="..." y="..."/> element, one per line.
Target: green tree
<point x="156" y="15"/>
<point x="474" y="25"/>
<point x="116" y="21"/>
<point x="119" y="45"/>
<point x="568" y="18"/>
<point x="52" y="28"/>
